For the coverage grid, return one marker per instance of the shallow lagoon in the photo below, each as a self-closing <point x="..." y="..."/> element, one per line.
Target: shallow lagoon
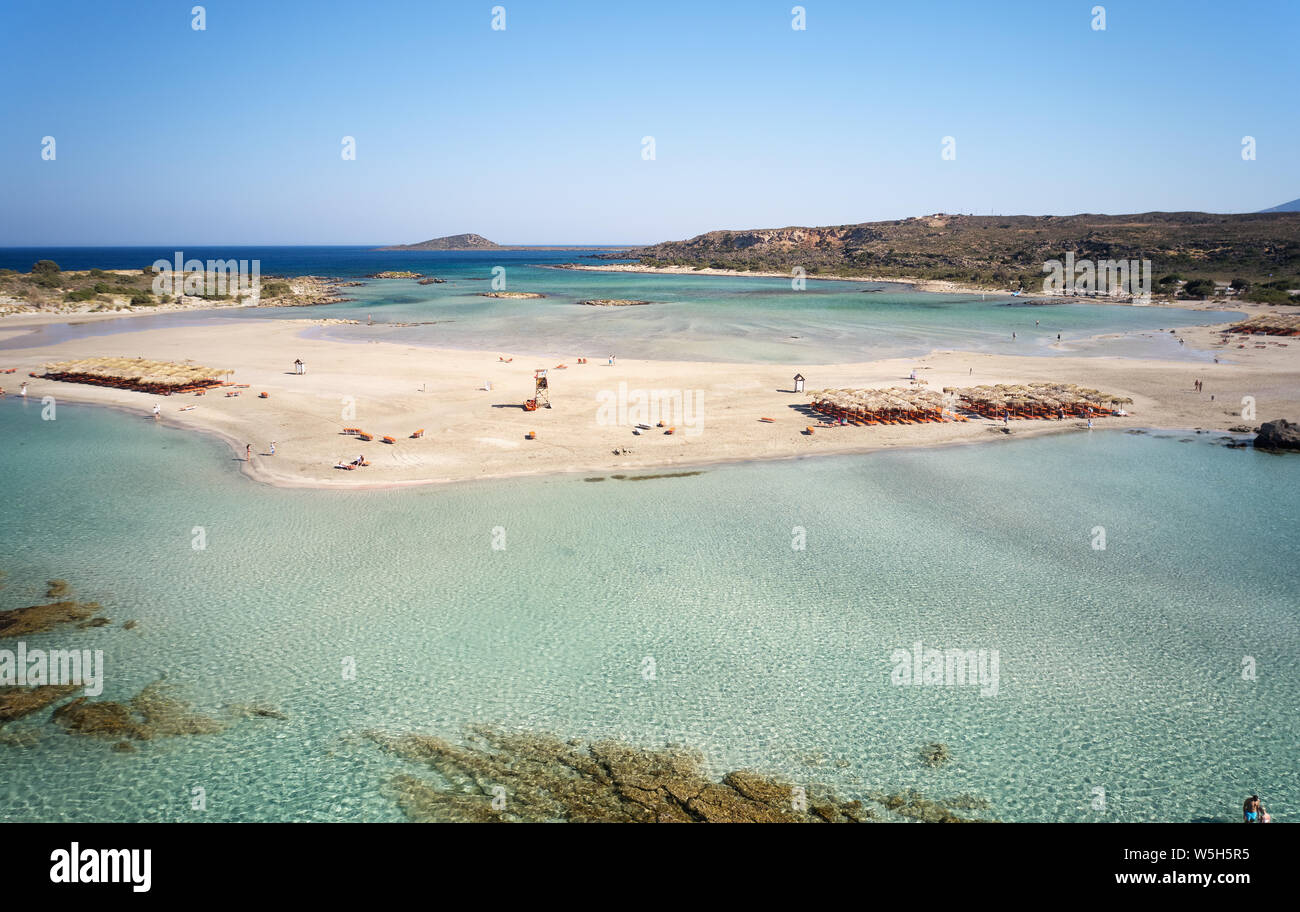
<point x="1119" y="669"/>
<point x="706" y="318"/>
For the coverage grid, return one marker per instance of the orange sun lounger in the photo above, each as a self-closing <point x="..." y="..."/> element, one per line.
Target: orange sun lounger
<point x="387" y="439"/>
<point x="419" y="433"/>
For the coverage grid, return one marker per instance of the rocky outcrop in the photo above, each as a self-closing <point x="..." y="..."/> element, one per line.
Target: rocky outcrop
<point x="613" y="302"/>
<point x="40" y="618"/>
<point x="1278" y="435"/>
<point x="155" y="712"/>
<point x="499" y="776"/>
<point x="16" y="702"/>
<point x="538" y="777"/>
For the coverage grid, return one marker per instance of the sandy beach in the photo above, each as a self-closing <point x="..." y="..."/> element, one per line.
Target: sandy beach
<point x="471" y="433"/>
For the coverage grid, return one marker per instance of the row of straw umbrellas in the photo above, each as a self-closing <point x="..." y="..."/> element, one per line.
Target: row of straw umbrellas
<point x="874" y="406"/>
<point x="137" y="373"/>
<point x="1270" y="325"/>
<point x="1035" y="400"/>
<point x="897" y="405"/>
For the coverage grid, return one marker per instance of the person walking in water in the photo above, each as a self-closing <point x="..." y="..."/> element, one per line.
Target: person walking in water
<point x="22" y="390"/>
<point x="1253" y="811"/>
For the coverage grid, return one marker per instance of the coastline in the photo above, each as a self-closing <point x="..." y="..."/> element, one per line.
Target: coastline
<point x="472" y="434"/>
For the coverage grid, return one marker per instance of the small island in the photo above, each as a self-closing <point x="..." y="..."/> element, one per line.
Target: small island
<point x="478" y="242"/>
<point x="396" y="274"/>
<point x="450" y="242"/>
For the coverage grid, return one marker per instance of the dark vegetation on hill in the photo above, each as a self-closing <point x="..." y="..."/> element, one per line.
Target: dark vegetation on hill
<point x="1259" y="250"/>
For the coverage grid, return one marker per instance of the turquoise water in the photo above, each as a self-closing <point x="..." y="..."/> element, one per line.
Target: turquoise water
<point x="1119" y="669"/>
<point x="691" y="318"/>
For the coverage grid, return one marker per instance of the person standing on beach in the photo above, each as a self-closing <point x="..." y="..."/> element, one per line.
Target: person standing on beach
<point x="248" y="453"/>
<point x="22" y="390"/>
<point x="272" y="447"/>
<point x="157" y="411"/>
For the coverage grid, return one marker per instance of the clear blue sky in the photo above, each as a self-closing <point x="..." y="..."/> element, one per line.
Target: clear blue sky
<point x="166" y="135"/>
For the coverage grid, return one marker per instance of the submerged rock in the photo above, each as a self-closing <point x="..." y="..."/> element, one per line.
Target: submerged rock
<point x="1278" y="435"/>
<point x="40" y="618"/>
<point x="57" y="588"/>
<point x="519" y="777"/>
<point x="935" y="754"/>
<point x="101" y="719"/>
<point x="258" y="710"/>
<point x="16" y="702"/>
<point x="910" y="803"/>
<point x="153" y="712"/>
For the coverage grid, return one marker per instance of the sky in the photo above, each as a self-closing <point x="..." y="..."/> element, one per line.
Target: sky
<point x="533" y="134"/>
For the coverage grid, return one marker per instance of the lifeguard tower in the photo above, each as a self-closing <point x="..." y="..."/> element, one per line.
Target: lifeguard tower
<point x="541" y="392"/>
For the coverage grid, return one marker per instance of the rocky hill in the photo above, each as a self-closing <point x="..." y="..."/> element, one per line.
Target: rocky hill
<point x="1005" y="251"/>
